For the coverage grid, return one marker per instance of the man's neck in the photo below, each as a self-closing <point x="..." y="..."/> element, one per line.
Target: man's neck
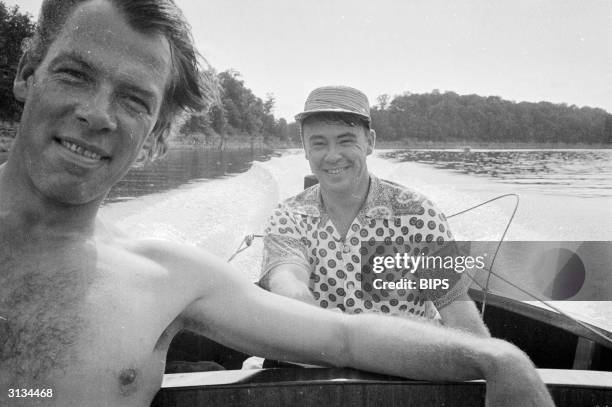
<point x="25" y="210"/>
<point x="343" y="207"/>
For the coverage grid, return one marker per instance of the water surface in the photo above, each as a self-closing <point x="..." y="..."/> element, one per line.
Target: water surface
<point x="183" y="166"/>
<point x="586" y="173"/>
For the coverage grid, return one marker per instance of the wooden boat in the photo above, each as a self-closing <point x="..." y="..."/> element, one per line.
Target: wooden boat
<point x="346" y="387"/>
<point x="573" y="358"/>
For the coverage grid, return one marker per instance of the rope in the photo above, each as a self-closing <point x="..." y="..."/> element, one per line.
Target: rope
<point x="247" y="242"/>
<point x="486" y="287"/>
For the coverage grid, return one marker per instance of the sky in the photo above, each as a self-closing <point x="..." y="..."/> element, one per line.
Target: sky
<point x="522" y="50"/>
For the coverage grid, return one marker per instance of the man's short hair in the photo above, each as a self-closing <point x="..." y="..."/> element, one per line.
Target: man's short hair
<point x="336" y="117"/>
<point x="190" y="87"/>
<point x="349" y="119"/>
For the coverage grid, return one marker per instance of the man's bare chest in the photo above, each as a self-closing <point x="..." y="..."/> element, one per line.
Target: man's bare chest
<point x="97" y="310"/>
<point x="41" y="296"/>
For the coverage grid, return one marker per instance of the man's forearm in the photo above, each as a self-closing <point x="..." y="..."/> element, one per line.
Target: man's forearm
<point x="413" y="349"/>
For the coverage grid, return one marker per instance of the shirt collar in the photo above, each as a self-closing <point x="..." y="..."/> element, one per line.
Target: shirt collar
<point x="376" y="206"/>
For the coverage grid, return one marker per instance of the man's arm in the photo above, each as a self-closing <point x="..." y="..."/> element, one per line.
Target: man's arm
<point x="285" y="267"/>
<point x="229" y="309"/>
<point x="289" y="280"/>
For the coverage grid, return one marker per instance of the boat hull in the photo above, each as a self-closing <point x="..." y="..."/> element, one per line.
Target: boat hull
<point x="347" y="387"/>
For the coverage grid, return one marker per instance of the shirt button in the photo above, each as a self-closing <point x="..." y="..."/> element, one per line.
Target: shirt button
<point x="350" y="285"/>
<point x="345" y="248"/>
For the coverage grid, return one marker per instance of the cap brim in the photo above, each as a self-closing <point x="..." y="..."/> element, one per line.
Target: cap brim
<point x="303" y="115"/>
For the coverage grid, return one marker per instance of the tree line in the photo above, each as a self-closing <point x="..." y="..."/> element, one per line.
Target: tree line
<point x="14" y="27"/>
<point x="236" y="116"/>
<point x="449" y="117"/>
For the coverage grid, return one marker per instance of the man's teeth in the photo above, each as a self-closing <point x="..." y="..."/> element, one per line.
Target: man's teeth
<point x="81" y="151"/>
<point x="335" y="170"/>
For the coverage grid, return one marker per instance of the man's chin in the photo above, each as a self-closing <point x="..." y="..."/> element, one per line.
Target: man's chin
<point x="70" y="194"/>
<point x="78" y="198"/>
<point x="338" y="185"/>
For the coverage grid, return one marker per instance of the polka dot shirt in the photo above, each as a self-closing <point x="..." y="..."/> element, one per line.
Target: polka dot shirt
<point x="300" y="232"/>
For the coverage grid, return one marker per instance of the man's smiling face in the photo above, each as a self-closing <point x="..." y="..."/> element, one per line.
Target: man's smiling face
<point x="90" y="104"/>
<point x="337" y="154"/>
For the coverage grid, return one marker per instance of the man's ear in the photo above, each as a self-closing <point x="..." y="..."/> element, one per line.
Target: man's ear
<point x="146" y="151"/>
<point x="371" y="138"/>
<point x="24" y="77"/>
<point x="304" y="144"/>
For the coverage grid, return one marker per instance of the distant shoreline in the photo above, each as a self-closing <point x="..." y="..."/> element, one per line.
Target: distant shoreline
<point x="385" y="145"/>
<point x="462" y="145"/>
<point x="6" y="142"/>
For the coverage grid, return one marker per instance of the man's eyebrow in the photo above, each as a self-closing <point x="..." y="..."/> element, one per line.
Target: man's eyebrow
<point x="347" y="135"/>
<point x="74" y="57"/>
<point x="316" y="138"/>
<point x="147" y="94"/>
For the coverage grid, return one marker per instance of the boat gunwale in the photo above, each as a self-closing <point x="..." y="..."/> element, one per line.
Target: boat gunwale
<point x="546" y="316"/>
<point x="551" y="377"/>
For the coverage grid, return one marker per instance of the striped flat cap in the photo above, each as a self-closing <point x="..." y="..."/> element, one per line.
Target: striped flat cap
<point x="341" y="99"/>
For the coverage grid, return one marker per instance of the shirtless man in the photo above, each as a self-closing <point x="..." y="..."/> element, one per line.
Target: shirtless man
<point x="89" y="315"/>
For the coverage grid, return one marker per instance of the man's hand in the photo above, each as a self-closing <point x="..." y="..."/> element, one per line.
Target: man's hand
<point x="512" y="380"/>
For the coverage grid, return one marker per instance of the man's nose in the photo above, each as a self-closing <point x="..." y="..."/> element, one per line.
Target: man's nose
<point x="97" y="111"/>
<point x="333" y="154"/>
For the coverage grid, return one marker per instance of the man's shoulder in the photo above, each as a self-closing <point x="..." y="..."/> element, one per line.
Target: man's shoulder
<point x="307" y="202"/>
<point x="398" y="199"/>
<point x="165" y="252"/>
<point x="159" y="250"/>
<point x="158" y="259"/>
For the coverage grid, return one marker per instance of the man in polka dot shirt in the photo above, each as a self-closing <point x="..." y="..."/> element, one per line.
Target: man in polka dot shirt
<point x="313" y="240"/>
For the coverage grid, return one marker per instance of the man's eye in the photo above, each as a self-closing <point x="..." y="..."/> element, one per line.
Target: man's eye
<point x="346" y="142"/>
<point x="136" y="103"/>
<point x="73" y="74"/>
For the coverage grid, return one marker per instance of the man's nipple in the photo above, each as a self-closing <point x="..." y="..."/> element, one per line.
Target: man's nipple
<point x="127" y="376"/>
<point x="127" y="380"/>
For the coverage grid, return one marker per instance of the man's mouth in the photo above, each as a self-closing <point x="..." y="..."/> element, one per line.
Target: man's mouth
<point x="337" y="170"/>
<point x="81" y="150"/>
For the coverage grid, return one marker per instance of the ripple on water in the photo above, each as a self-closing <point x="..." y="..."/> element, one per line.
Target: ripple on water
<point x="583" y="172"/>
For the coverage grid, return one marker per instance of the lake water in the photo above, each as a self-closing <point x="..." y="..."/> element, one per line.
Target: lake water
<point x="212" y="199"/>
<point x="180" y="167"/>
